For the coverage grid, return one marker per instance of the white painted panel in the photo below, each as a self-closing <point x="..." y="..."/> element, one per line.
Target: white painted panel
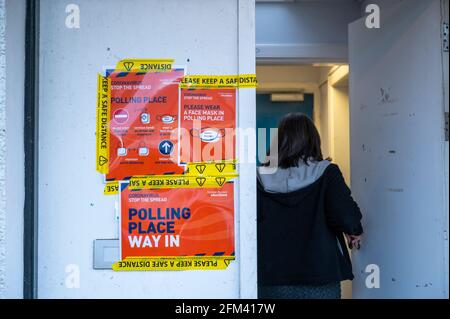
<point x="304" y="31"/>
<point x="397" y="155"/>
<point x="338" y="107"/>
<point x="2" y="148"/>
<point x="200" y="34"/>
<point x="305" y="21"/>
<point x="12" y="152"/>
<point x="247" y="169"/>
<point x="324" y="119"/>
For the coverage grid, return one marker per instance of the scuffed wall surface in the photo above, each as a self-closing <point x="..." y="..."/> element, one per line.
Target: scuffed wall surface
<point x="12" y="73"/>
<point x="396" y="153"/>
<point x="69" y="219"/>
<point x="2" y="149"/>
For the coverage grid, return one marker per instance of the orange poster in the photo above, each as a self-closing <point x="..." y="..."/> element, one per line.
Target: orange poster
<point x="177" y="222"/>
<point x="144" y="112"/>
<point x="208" y="122"/>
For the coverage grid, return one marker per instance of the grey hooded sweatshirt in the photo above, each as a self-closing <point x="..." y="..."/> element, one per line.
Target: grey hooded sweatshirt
<point x="293" y="178"/>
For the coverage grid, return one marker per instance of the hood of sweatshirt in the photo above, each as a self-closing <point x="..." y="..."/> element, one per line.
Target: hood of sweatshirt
<point x="286" y="180"/>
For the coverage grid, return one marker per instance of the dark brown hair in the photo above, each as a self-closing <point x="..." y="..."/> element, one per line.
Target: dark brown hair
<point x="298" y="139"/>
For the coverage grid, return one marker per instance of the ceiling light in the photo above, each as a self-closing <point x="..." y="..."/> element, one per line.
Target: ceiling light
<point x="287" y="97"/>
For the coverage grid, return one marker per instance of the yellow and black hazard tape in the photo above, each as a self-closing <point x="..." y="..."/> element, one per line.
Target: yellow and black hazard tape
<point x="173" y="263"/>
<point x="170" y="181"/>
<point x="102" y="123"/>
<point x="178" y="181"/>
<point x="111" y="188"/>
<point x="144" y="65"/>
<point x="212" y="174"/>
<point x="219" y="81"/>
<point x="213" y="168"/>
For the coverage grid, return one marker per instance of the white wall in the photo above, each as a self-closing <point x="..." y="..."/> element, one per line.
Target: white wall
<point x="73" y="211"/>
<point x="334" y="123"/>
<point x="287" y="74"/>
<point x="11" y="144"/>
<point x="339" y="119"/>
<point x="324" y="116"/>
<point x="306" y="30"/>
<point x="341" y="132"/>
<point x="248" y="286"/>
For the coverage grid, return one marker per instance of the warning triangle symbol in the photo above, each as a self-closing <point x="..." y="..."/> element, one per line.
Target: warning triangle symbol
<point x="220" y="167"/>
<point x="221" y="180"/>
<point x="128" y="65"/>
<point x="102" y="160"/>
<point x="200" y="168"/>
<point x="200" y="181"/>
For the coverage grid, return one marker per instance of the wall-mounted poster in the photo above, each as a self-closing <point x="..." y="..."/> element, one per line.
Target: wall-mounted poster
<point x="143" y="117"/>
<point x="177" y="221"/>
<point x="208" y="123"/>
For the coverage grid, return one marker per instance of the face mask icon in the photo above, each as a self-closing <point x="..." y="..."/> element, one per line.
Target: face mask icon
<point x="145" y="118"/>
<point x="167" y="119"/>
<point x="143" y="150"/>
<point x="121" y="151"/>
<point x="208" y="134"/>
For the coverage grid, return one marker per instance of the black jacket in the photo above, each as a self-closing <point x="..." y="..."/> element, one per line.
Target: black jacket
<point x="300" y="234"/>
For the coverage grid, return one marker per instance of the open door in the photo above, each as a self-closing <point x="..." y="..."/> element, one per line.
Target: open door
<point x="397" y="152"/>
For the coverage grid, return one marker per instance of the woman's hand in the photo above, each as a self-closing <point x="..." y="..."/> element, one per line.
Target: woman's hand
<point x="353" y="241"/>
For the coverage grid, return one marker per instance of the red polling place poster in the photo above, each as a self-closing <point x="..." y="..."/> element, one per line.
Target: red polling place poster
<point x="208" y="117"/>
<point x="144" y="111"/>
<point x="177" y="222"/>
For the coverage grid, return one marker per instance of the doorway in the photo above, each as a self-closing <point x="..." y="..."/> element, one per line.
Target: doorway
<point x="320" y="91"/>
<point x="272" y="106"/>
<point x="382" y="119"/>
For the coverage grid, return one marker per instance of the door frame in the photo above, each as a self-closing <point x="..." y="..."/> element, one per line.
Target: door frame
<point x="248" y="283"/>
<point x="31" y="143"/>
